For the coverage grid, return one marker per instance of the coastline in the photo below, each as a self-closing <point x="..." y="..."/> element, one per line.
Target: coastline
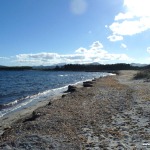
<point x="11" y="117"/>
<point x="113" y="113"/>
<point x="23" y="102"/>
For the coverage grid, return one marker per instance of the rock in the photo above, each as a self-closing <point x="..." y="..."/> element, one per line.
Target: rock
<point x="88" y="84"/>
<point x="1" y="107"/>
<point x="93" y="80"/>
<point x="6" y="147"/>
<point x="33" y="117"/>
<point x="71" y="88"/>
<point x="7" y="127"/>
<point x="63" y="95"/>
<point x="126" y="136"/>
<point x="1" y="132"/>
<point x="49" y="104"/>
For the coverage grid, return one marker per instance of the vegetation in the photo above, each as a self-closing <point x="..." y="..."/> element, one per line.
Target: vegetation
<point x="80" y="67"/>
<point x="143" y="74"/>
<point x="114" y="67"/>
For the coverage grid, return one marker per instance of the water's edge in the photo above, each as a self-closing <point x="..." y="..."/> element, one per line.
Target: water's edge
<point x="30" y="101"/>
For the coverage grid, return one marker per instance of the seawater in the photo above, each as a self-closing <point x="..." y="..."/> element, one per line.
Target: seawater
<point x="21" y="88"/>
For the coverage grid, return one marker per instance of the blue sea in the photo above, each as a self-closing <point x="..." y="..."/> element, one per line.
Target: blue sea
<point x="19" y="89"/>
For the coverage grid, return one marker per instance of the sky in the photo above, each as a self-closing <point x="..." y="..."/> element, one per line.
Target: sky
<point x="48" y="32"/>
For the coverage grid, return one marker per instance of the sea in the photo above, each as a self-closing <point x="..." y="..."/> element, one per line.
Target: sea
<point x="20" y="89"/>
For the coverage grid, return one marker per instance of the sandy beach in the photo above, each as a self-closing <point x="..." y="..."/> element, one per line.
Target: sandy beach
<point x="114" y="113"/>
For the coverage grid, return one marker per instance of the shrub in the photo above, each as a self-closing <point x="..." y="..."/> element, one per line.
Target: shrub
<point x="144" y="74"/>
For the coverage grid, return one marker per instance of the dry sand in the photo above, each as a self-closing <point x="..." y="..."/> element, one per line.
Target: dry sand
<point x="112" y="114"/>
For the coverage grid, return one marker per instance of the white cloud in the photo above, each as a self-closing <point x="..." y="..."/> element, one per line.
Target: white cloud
<point x="135" y="20"/>
<point x="95" y="53"/>
<point x="37" y="56"/>
<point x="38" y="59"/>
<point x="148" y="49"/>
<point x="97" y="45"/>
<point x="123" y="45"/>
<point x="114" y="38"/>
<point x="106" y="26"/>
<point x="128" y="27"/>
<point x="72" y="57"/>
<point x="81" y="50"/>
<point x="122" y="16"/>
<point x="139" y="8"/>
<point x="4" y="58"/>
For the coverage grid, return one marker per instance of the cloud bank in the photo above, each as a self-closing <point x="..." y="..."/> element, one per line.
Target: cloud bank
<point x="135" y="20"/>
<point x="95" y="53"/>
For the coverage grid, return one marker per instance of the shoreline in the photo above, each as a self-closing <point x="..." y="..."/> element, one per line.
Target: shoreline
<point x="113" y="113"/>
<point x="24" y="111"/>
<point x="37" y="98"/>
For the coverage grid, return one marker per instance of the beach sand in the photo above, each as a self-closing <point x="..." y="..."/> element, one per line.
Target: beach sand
<point x="112" y="114"/>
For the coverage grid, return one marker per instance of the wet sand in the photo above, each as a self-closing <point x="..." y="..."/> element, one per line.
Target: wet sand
<point x="112" y="114"/>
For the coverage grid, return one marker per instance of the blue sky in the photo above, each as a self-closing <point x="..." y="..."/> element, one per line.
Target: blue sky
<point x="47" y="32"/>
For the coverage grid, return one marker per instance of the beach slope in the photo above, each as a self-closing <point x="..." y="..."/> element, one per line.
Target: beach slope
<point x="111" y="114"/>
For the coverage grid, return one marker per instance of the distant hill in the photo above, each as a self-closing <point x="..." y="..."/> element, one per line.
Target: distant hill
<point x="48" y="67"/>
<point x="15" y="68"/>
<point x="138" y="65"/>
<point x="2" y="66"/>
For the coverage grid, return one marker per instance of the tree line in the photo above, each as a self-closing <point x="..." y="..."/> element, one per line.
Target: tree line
<point x="100" y="67"/>
<point x="80" y="67"/>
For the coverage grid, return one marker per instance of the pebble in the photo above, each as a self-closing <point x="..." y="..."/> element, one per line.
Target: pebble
<point x="125" y="129"/>
<point x="7" y="147"/>
<point x="1" y="132"/>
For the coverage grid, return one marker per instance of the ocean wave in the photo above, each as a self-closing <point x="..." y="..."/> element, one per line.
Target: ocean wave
<point x="17" y="104"/>
<point x="61" y="75"/>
